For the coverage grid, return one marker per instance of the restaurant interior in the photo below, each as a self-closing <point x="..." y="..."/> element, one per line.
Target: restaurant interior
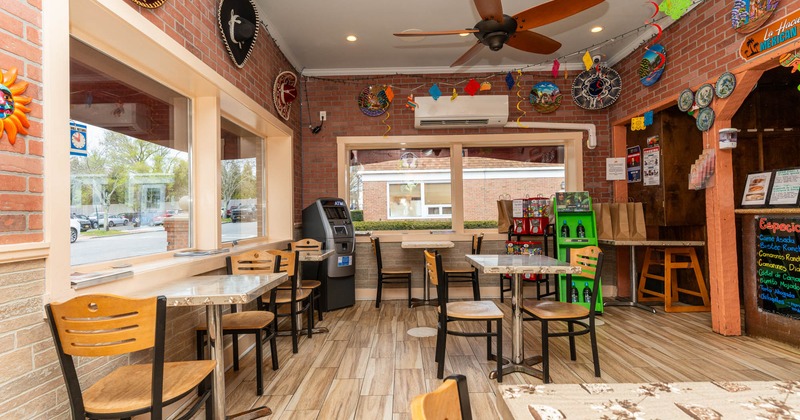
<point x="293" y="210"/>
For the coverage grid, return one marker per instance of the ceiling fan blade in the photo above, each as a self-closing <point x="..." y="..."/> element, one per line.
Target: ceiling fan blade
<point x="533" y="43"/>
<point x="550" y="12"/>
<point x="490" y="9"/>
<point x="467" y="55"/>
<point x="456" y="32"/>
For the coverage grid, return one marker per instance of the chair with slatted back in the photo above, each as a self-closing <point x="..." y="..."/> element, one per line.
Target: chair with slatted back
<point x="259" y="323"/>
<point x="449" y="401"/>
<point x="590" y="259"/>
<point x="467" y="273"/>
<point x="292" y="296"/>
<point x="108" y="325"/>
<point x="313" y="284"/>
<point x="389" y="275"/>
<point x="471" y="310"/>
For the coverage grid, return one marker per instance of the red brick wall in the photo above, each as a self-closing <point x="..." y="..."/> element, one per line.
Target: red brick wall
<point x="338" y="96"/>
<point x="22" y="165"/>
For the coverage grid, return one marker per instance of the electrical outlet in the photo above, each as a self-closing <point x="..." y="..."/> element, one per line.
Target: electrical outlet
<point x="323" y="115"/>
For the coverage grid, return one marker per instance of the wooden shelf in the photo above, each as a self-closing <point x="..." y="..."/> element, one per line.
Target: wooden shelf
<point x="792" y="210"/>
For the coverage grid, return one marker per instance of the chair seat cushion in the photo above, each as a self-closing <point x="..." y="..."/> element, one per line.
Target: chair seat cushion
<point x="285" y="296"/>
<point x="473" y="309"/>
<point x="305" y="284"/>
<point x="128" y="387"/>
<point x="396" y="271"/>
<point x="248" y="320"/>
<point x="548" y="309"/>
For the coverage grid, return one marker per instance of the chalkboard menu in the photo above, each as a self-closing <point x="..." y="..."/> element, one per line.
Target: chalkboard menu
<point x="778" y="265"/>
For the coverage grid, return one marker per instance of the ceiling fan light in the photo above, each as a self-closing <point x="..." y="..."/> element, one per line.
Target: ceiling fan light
<point x="495" y="40"/>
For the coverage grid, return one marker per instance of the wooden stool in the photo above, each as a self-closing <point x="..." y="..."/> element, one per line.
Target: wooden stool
<point x="673" y="259"/>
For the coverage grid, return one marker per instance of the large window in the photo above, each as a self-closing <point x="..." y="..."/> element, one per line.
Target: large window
<point x="129" y="165"/>
<point x="242" y="194"/>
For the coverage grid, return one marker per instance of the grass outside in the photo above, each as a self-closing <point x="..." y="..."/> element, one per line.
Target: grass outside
<point x="96" y="233"/>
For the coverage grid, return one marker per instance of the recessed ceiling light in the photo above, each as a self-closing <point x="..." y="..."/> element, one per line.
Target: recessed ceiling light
<point x="351" y="38"/>
<point x="597" y="29"/>
<point x="465" y="34"/>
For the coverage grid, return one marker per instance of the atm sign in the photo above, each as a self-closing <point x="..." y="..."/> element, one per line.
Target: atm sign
<point x="344" y="261"/>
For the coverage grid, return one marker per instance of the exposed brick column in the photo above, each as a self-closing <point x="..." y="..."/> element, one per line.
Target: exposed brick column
<point x="177" y="228"/>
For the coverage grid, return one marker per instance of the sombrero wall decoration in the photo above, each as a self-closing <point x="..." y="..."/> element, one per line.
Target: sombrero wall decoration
<point x="238" y="24"/>
<point x="150" y="4"/>
<point x="284" y="92"/>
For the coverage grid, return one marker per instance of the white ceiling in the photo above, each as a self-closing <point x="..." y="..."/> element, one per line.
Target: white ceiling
<point x="311" y="33"/>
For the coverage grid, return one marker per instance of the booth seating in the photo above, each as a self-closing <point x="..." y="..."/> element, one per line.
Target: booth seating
<point x="449" y="401"/>
<point x="671" y="259"/>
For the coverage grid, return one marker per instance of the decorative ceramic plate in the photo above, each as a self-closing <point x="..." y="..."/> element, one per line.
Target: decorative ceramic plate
<point x="725" y="85"/>
<point x="652" y="64"/>
<point x="686" y="100"/>
<point x="704" y="95"/>
<point x="373" y="101"/>
<point x="747" y="16"/>
<point x="545" y="97"/>
<point x="705" y="119"/>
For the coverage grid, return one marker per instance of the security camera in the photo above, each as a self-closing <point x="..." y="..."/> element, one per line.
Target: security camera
<point x="596" y="59"/>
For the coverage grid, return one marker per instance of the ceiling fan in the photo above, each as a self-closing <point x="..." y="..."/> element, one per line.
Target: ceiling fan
<point x="497" y="29"/>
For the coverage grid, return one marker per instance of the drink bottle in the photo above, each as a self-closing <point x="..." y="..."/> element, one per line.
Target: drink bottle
<point x="564" y="230"/>
<point x="587" y="293"/>
<point x="580" y="231"/>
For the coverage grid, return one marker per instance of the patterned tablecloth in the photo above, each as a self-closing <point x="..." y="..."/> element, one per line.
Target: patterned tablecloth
<point x="678" y="400"/>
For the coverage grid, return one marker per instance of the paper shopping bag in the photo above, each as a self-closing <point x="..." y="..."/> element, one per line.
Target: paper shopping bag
<point x="602" y="213"/>
<point x="636" y="226"/>
<point x="620" y="227"/>
<point x="504" y="211"/>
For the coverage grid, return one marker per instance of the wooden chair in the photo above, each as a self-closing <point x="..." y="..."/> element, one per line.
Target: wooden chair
<point x="477" y="310"/>
<point x="248" y="322"/>
<point x="389" y="275"/>
<point x="108" y="325"/>
<point x="590" y="259"/>
<point x="450" y="401"/>
<point x="292" y="296"/>
<point x="467" y="273"/>
<point x="313" y="284"/>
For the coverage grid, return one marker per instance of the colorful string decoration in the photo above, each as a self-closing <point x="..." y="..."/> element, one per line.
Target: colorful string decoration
<point x="454" y="95"/>
<point x="554" y="70"/>
<point x="485" y="86"/>
<point x="390" y="96"/>
<point x="435" y="92"/>
<point x="637" y="124"/>
<point x="509" y="81"/>
<point x="648" y="118"/>
<point x="587" y="60"/>
<point x="410" y="102"/>
<point x="675" y="8"/>
<point x="662" y="58"/>
<point x="472" y="87"/>
<point x="521" y="100"/>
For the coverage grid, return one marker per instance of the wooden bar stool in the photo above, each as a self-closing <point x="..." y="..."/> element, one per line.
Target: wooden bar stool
<point x="671" y="259"/>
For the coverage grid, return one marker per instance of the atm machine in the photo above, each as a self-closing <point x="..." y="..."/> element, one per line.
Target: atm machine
<point x="328" y="221"/>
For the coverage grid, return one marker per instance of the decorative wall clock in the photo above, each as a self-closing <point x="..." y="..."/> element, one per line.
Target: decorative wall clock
<point x="150" y="4"/>
<point x="238" y="23"/>
<point x="596" y="88"/>
<point x="284" y="92"/>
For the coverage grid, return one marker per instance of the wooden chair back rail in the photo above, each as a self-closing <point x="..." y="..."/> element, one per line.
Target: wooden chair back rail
<point x="449" y="401"/>
<point x="477" y="240"/>
<point x="288" y="261"/>
<point x="430" y="265"/>
<point x="306" y="245"/>
<point x="252" y="262"/>
<point x="105" y="325"/>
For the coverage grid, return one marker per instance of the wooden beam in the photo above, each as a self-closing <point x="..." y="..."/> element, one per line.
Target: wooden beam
<point x="619" y="134"/>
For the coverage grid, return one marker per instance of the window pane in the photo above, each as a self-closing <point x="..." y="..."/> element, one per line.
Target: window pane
<point x="520" y="172"/>
<point x="390" y="185"/>
<point x="242" y="183"/>
<point x="129" y="167"/>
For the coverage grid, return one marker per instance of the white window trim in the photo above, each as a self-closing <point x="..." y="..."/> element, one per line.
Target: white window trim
<point x="112" y="28"/>
<point x="571" y="141"/>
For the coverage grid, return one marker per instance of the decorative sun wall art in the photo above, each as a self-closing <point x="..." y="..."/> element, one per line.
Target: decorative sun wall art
<point x="12" y="106"/>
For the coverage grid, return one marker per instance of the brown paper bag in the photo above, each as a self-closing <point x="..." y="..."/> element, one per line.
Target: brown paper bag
<point x="620" y="226"/>
<point x="504" y="211"/>
<point x="636" y="226"/>
<point x="602" y="213"/>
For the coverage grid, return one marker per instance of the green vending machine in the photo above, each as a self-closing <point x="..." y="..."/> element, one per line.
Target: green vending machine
<point x="575" y="227"/>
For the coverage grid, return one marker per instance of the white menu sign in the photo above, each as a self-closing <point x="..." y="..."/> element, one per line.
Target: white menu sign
<point x="615" y="169"/>
<point x="785" y="187"/>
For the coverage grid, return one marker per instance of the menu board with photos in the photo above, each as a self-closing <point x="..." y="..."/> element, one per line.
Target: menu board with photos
<point x="756" y="188"/>
<point x="778" y="265"/>
<point x="785" y="188"/>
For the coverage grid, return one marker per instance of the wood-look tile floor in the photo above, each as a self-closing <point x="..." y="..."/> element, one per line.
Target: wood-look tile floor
<point x="368" y="367"/>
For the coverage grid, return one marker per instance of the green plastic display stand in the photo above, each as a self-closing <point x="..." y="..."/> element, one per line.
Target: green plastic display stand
<point x="572" y="208"/>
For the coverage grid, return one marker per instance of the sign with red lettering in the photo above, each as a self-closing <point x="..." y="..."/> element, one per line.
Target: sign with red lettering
<point x="776" y="34"/>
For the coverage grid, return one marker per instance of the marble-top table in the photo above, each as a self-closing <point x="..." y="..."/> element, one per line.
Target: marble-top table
<point x="517" y="265"/>
<point x="215" y="292"/>
<point x="632" y="266"/>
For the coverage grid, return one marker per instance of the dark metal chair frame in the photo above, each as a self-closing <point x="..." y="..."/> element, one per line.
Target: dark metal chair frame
<point x="387" y="277"/>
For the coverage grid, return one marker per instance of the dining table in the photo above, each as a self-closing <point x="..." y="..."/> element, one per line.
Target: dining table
<point x="517" y="265"/>
<point x="426" y="283"/>
<point x="215" y="292"/>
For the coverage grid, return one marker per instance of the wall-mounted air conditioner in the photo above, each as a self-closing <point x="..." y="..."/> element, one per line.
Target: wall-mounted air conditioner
<point x="464" y="111"/>
<point x="126" y="118"/>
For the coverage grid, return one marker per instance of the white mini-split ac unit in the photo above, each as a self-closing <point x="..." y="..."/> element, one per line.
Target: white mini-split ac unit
<point x="464" y="111"/>
<point x="127" y="118"/>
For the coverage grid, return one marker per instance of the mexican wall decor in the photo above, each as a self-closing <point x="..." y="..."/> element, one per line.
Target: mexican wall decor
<point x="597" y="88"/>
<point x="705" y="119"/>
<point x="704" y="95"/>
<point x="284" y="92"/>
<point x="12" y="106"/>
<point x="372" y="101"/>
<point x="781" y="32"/>
<point x="725" y="85"/>
<point x="545" y="97"/>
<point x="791" y="60"/>
<point x="652" y="64"/>
<point x="749" y="15"/>
<point x="685" y="100"/>
<point x="238" y="23"/>
<point x="150" y="4"/>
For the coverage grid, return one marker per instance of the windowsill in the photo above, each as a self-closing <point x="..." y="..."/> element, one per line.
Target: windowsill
<point x="396" y="236"/>
<point x="24" y="252"/>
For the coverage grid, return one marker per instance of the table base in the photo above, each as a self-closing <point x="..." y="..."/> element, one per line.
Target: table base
<point x="524" y="367"/>
<point x="315" y="330"/>
<point x="423" y="302"/>
<point x="630" y="304"/>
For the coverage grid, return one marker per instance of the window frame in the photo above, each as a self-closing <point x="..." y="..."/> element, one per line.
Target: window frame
<point x="572" y="141"/>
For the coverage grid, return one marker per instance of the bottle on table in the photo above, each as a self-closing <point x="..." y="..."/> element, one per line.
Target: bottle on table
<point x="587" y="293"/>
<point x="565" y="230"/>
<point x="580" y="231"/>
<point x="574" y="293"/>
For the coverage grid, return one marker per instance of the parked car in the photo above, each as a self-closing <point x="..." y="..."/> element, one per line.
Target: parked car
<point x="113" y="219"/>
<point x="243" y="214"/>
<point x="74" y="230"/>
<point x="84" y="221"/>
<point x="132" y="218"/>
<point x="159" y="219"/>
<point x="230" y="210"/>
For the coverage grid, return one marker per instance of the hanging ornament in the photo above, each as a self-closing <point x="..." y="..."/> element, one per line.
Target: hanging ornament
<point x="509" y="80"/>
<point x="472" y="87"/>
<point x="389" y="93"/>
<point x="435" y="92"/>
<point x="454" y="95"/>
<point x="637" y="124"/>
<point x="520" y="100"/>
<point x="675" y="8"/>
<point x="12" y="106"/>
<point x="790" y="60"/>
<point x="566" y="73"/>
<point x="554" y="70"/>
<point x="410" y="102"/>
<point x="648" y="118"/>
<point x="485" y="86"/>
<point x="587" y="60"/>
<point x="388" y="127"/>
